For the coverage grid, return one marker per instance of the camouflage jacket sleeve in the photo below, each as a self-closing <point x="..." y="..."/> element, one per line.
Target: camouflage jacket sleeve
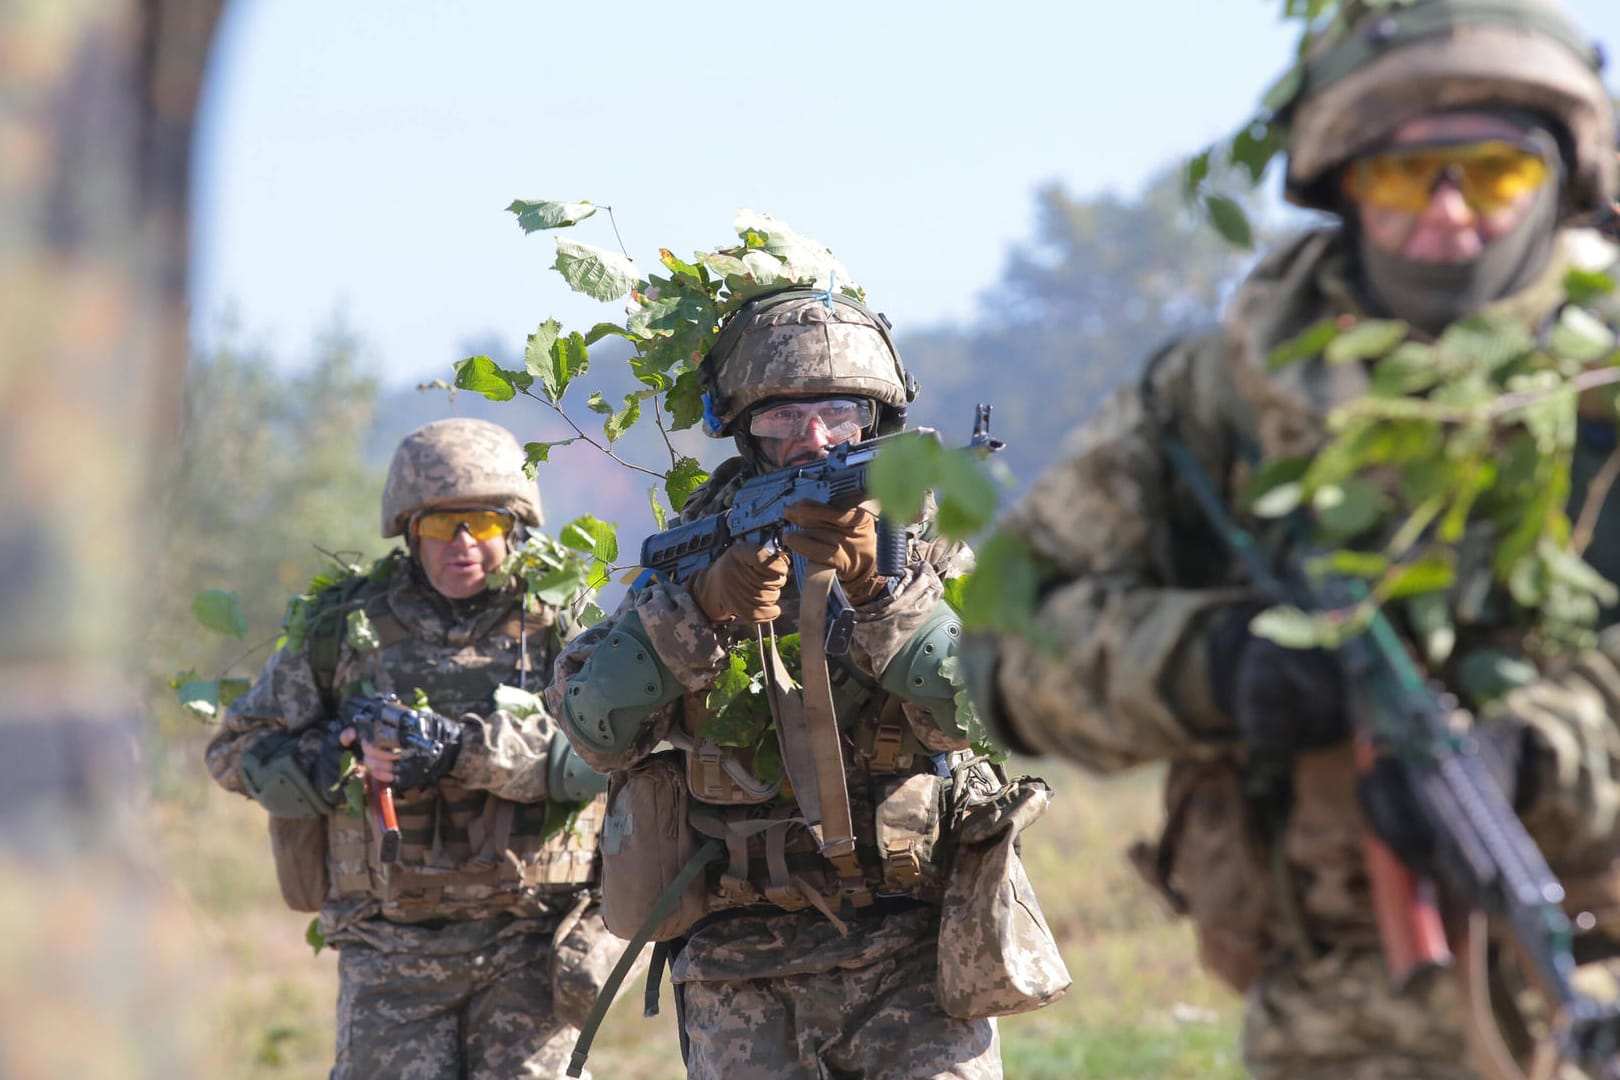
<point x="506" y="755"/>
<point x="688" y="646"/>
<point x="284" y="698"/>
<point x="1121" y="675"/>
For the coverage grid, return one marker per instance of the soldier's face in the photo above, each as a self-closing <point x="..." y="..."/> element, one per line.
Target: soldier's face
<point x="460" y="566"/>
<point x="1446" y="186"/>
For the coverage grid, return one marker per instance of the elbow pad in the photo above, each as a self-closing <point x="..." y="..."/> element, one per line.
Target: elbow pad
<point x="274" y="778"/>
<point x="620" y="684"/>
<point x="914" y="673"/>
<point x="568" y="778"/>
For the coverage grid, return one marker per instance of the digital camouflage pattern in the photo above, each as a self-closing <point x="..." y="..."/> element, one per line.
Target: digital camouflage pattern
<point x="1358" y="87"/>
<point x="473" y="859"/>
<point x="870" y="1013"/>
<point x="461" y="460"/>
<point x="866" y="998"/>
<point x="472" y="1000"/>
<point x="803" y="347"/>
<point x="1136" y="578"/>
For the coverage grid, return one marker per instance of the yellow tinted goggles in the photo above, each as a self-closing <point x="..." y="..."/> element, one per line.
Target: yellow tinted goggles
<point x="483" y="523"/>
<point x="1490" y="174"/>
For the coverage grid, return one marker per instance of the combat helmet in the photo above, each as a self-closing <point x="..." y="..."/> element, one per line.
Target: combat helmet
<point x="457" y="460"/>
<point x="1394" y="62"/>
<point x="803" y="343"/>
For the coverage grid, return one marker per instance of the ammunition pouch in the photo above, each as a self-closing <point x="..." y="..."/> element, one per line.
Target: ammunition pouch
<point x="647" y="840"/>
<point x="298" y="846"/>
<point x="275" y="778"/>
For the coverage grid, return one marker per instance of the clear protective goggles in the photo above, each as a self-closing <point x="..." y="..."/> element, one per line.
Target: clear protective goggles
<point x="1491" y="174"/>
<point x="843" y="419"/>
<point x="481" y="522"/>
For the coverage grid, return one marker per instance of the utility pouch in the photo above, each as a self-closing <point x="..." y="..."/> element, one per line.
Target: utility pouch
<point x="908" y="832"/>
<point x="298" y="846"/>
<point x="583" y="954"/>
<point x="646" y="840"/>
<point x="997" y="955"/>
<point x="1208" y="865"/>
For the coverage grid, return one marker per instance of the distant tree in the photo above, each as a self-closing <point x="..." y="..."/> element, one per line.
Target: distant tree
<point x="1102" y="283"/>
<point x="270" y="473"/>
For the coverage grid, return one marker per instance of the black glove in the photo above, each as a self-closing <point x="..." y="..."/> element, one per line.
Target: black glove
<point x="425" y="762"/>
<point x="329" y="769"/>
<point x="1282" y="701"/>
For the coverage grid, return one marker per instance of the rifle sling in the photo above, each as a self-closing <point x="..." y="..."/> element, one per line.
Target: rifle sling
<point x="705" y="854"/>
<point x="826" y="745"/>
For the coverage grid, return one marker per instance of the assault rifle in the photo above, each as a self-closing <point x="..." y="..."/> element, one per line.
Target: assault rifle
<point x="388" y="724"/>
<point x="839" y="480"/>
<point x="1418" y="760"/>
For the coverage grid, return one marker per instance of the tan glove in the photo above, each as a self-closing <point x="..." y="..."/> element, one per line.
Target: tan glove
<point x="744" y="584"/>
<point x="845" y="540"/>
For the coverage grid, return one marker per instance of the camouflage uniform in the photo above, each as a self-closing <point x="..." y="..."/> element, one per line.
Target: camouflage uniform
<point x="771" y="993"/>
<point x="445" y="955"/>
<point x="1138" y="580"/>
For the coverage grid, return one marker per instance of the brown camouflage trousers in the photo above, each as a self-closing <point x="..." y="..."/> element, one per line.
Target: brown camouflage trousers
<point x="438" y="1015"/>
<point x="876" y="1022"/>
<point x="1337" y="1018"/>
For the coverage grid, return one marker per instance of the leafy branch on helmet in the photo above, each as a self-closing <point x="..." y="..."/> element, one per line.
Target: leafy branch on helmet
<point x="1453" y="469"/>
<point x="670" y="320"/>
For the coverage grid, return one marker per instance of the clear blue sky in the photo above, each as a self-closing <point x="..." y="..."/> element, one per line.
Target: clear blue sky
<point x="356" y="156"/>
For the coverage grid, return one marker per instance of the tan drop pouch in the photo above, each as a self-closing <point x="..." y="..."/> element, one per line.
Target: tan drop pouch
<point x="646" y="840"/>
<point x="583" y="953"/>
<point x="299" y="848"/>
<point x="997" y="955"/>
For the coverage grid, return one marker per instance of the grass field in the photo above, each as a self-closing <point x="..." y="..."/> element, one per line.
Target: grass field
<point x="224" y="956"/>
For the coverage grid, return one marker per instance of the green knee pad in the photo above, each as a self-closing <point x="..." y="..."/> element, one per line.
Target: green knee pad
<point x="914" y="673"/>
<point x="620" y="685"/>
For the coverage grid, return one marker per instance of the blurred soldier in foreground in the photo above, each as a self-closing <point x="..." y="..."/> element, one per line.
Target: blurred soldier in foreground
<point x="804" y="951"/>
<point x="1456" y="141"/>
<point x="446" y="927"/>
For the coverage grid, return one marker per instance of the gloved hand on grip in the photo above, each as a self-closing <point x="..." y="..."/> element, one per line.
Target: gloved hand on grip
<point x="1283" y="701"/>
<point x="421" y="765"/>
<point x="845" y="540"/>
<point x="743" y="585"/>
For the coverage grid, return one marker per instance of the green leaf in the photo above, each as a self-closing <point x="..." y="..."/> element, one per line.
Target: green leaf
<point x="200" y="696"/>
<point x="518" y="702"/>
<point x="534" y="215"/>
<point x="1432" y="574"/>
<point x="217" y="610"/>
<point x="1485" y="342"/>
<point x="598" y="273"/>
<point x="606" y="330"/>
<point x="1348" y="508"/>
<point x="1429" y="615"/>
<point x="1280" y="501"/>
<point x="660" y="515"/>
<point x="361" y="633"/>
<point x="1273" y="474"/>
<point x="593" y="536"/>
<point x="1367" y="565"/>
<point x="537" y="358"/>
<point x="1292" y="628"/>
<point x="685" y="400"/>
<point x="231" y="689"/>
<point x="686" y="477"/>
<point x="679" y="266"/>
<point x="1580" y="335"/>
<point x="1409" y="369"/>
<point x="1585" y="286"/>
<point x="597" y="404"/>
<point x="313" y="936"/>
<point x="1229" y="220"/>
<point x="561" y="586"/>
<point x="1566" y="566"/>
<point x="1310" y="342"/>
<point x="618" y="423"/>
<point x="955" y="590"/>
<point x="1195" y="171"/>
<point x="1366" y="340"/>
<point x="966" y="493"/>
<point x="1001" y="593"/>
<point x="903" y="472"/>
<point x="539" y="453"/>
<point x="482" y="375"/>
